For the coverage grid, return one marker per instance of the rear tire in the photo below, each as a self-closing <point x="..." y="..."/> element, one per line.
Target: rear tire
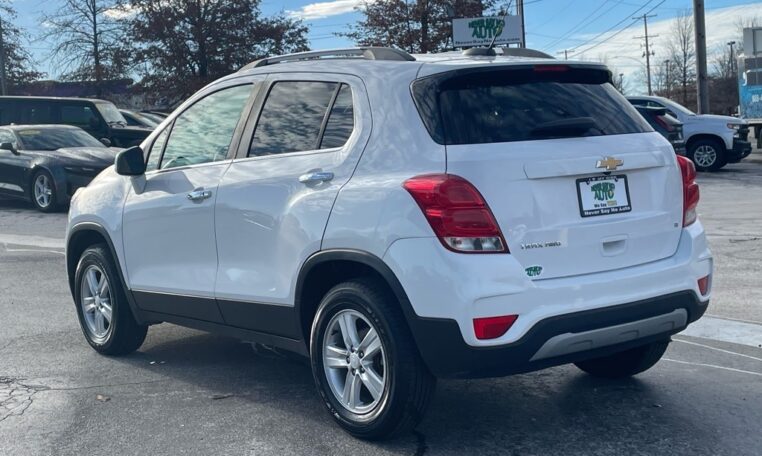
<point x="104" y="313"/>
<point x="627" y="363"/>
<point x="707" y="154"/>
<point x="393" y="367"/>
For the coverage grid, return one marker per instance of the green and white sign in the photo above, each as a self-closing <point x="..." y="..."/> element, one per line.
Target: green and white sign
<point x="479" y="31"/>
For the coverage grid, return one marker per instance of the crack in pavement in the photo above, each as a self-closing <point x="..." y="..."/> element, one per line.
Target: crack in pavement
<point x="16" y="397"/>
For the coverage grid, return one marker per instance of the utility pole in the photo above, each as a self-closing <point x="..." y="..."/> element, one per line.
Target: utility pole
<point x="565" y="52"/>
<point x="668" y="78"/>
<point x="732" y="59"/>
<point x="2" y="59"/>
<point x="702" y="85"/>
<point x="520" y="11"/>
<point x="648" y="53"/>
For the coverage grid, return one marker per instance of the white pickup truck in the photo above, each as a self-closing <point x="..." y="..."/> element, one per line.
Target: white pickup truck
<point x="711" y="141"/>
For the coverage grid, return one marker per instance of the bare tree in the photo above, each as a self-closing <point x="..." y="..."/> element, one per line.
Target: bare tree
<point x="682" y="54"/>
<point x="88" y="39"/>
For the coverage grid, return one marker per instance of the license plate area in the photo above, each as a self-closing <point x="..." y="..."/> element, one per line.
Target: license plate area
<point x="603" y="195"/>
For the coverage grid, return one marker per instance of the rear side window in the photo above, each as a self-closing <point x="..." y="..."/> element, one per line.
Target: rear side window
<point x="341" y="121"/>
<point x="293" y="116"/>
<point x="35" y="113"/>
<point x="79" y="115"/>
<point x="494" y="106"/>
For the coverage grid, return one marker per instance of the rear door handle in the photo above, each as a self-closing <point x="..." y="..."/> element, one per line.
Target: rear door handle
<point x="315" y="177"/>
<point x="199" y="195"/>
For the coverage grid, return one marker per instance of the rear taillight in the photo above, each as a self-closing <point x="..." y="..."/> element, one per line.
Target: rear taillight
<point x="664" y="124"/>
<point x="457" y="213"/>
<point x="690" y="190"/>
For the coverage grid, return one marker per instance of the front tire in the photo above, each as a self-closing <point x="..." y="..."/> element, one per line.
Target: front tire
<point x="104" y="313"/>
<point x="365" y="363"/>
<point x="44" y="193"/>
<point x="627" y="363"/>
<point x="707" y="155"/>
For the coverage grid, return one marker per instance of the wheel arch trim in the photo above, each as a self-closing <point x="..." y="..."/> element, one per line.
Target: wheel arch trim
<point x="350" y="255"/>
<point x="71" y="263"/>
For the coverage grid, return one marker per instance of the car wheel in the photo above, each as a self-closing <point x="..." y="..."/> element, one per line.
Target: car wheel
<point x="626" y="363"/>
<point x="102" y="307"/>
<point x="44" y="191"/>
<point x="365" y="363"/>
<point x="707" y="155"/>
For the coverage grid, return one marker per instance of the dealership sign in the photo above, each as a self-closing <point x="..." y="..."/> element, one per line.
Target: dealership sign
<point x="480" y="31"/>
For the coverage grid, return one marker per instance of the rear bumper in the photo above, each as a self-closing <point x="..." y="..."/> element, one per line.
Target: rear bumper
<point x="556" y="340"/>
<point x="447" y="291"/>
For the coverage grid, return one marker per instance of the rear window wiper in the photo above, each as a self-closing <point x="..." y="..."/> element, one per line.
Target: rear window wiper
<point x="565" y="127"/>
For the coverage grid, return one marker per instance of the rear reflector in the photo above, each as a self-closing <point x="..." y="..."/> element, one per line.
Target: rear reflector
<point x="690" y="190"/>
<point x="703" y="284"/>
<point x="493" y="327"/>
<point x="457" y="213"/>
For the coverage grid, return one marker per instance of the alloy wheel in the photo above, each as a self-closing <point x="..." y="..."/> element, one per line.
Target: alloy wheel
<point x="354" y="361"/>
<point x="705" y="156"/>
<point x="43" y="190"/>
<point x="96" y="304"/>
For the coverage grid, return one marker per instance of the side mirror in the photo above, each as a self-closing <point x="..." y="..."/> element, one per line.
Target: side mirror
<point x="94" y="123"/>
<point x="106" y="142"/>
<point x="130" y="162"/>
<point x="9" y="147"/>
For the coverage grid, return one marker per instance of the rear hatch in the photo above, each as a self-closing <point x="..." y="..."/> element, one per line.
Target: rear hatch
<point x="577" y="180"/>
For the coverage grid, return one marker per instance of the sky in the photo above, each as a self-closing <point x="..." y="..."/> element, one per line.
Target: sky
<point x="593" y="29"/>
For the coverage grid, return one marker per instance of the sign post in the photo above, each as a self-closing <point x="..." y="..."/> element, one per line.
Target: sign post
<point x="480" y="31"/>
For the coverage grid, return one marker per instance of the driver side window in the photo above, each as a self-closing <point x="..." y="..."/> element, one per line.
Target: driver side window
<point x="202" y="133"/>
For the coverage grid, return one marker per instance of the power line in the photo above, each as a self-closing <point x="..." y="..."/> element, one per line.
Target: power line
<point x="615" y="26"/>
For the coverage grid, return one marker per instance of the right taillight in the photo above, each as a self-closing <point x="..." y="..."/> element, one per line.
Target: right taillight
<point x="457" y="213"/>
<point x="690" y="190"/>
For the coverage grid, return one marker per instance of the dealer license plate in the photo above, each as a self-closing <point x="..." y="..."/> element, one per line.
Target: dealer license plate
<point x="603" y="195"/>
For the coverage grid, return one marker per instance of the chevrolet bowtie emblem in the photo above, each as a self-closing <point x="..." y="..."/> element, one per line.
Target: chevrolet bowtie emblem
<point x="609" y="163"/>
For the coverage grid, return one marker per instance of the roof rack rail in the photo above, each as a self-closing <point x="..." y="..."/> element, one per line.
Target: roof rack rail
<point x="368" y="53"/>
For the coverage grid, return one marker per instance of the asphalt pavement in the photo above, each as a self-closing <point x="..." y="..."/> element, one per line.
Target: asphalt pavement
<point x="188" y="392"/>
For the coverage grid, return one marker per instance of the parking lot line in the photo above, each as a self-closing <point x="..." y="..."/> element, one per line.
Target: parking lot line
<point x="717" y="349"/>
<point x="32" y="241"/>
<point x="713" y="366"/>
<point x="726" y="331"/>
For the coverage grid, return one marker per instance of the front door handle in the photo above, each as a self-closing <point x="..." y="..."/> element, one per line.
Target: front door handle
<point x="199" y="195"/>
<point x="315" y="177"/>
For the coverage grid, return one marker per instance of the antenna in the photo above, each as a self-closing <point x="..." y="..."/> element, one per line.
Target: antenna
<point x="498" y="31"/>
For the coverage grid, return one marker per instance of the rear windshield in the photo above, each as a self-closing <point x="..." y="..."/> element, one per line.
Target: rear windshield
<point x="493" y="106"/>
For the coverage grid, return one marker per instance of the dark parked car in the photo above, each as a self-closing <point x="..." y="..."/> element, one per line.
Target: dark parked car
<point x="666" y="125"/>
<point x="139" y="119"/>
<point x="100" y="118"/>
<point x="46" y="164"/>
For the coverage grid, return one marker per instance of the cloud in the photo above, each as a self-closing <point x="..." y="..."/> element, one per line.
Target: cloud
<point x="121" y="12"/>
<point x="322" y="10"/>
<point x="624" y="54"/>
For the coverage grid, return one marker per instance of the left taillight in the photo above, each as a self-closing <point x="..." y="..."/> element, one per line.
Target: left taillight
<point x="457" y="212"/>
<point x="690" y="190"/>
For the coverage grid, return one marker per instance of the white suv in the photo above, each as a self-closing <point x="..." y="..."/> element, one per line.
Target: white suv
<point x="398" y="219"/>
